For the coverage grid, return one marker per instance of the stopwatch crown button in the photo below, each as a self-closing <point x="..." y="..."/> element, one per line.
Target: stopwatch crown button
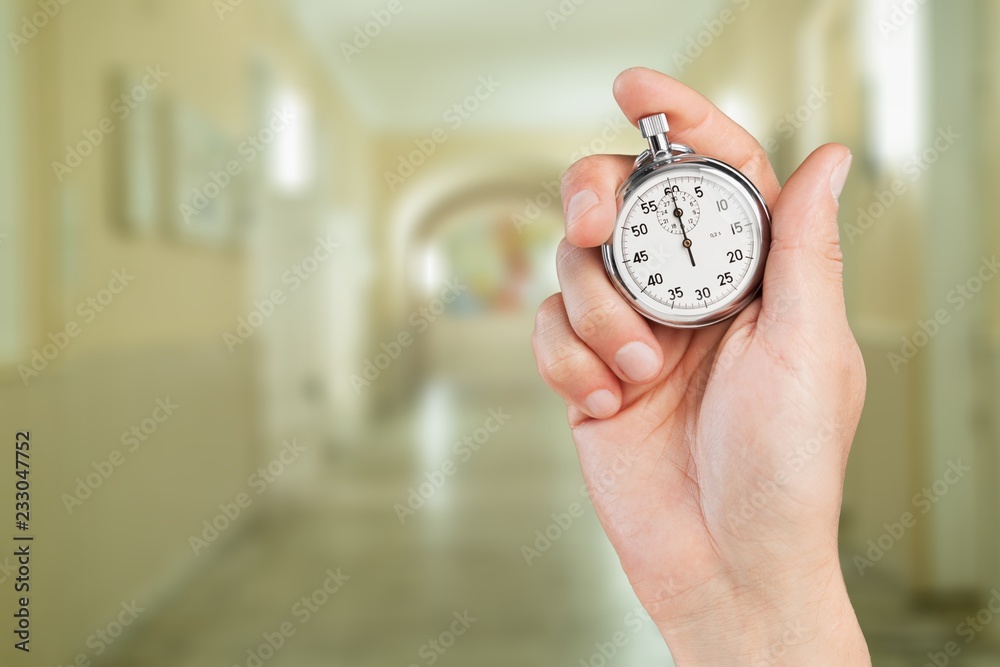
<point x="654" y="125"/>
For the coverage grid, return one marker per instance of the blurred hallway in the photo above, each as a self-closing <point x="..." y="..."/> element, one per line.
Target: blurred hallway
<point x="460" y="552"/>
<point x="338" y="220"/>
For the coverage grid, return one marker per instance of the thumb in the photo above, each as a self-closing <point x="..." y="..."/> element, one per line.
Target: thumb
<point x="803" y="279"/>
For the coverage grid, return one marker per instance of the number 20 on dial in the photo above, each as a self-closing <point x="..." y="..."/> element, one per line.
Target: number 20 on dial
<point x="691" y="237"/>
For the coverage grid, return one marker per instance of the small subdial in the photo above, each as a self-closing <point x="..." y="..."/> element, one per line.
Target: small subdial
<point x="678" y="208"/>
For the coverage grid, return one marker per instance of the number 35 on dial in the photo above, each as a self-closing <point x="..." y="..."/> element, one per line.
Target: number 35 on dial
<point x="691" y="238"/>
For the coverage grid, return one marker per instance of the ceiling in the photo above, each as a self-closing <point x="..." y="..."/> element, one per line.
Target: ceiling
<point x="551" y="72"/>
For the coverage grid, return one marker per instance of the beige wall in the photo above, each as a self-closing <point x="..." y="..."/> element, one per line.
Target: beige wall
<point x="162" y="335"/>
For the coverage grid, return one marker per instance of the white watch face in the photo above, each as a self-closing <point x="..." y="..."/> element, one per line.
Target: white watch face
<point x="688" y="245"/>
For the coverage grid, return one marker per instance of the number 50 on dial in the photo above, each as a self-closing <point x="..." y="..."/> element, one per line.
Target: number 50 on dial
<point x="691" y="237"/>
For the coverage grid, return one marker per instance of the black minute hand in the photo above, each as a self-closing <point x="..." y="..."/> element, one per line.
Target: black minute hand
<point x="678" y="213"/>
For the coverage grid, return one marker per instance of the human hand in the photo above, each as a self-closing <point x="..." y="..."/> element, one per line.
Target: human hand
<point x="715" y="457"/>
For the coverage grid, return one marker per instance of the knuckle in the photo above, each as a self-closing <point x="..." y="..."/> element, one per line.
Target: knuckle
<point x="565" y="253"/>
<point x="595" y="315"/>
<point x="549" y="314"/>
<point x="578" y="173"/>
<point x="831" y="253"/>
<point x="560" y="365"/>
<point x="758" y="162"/>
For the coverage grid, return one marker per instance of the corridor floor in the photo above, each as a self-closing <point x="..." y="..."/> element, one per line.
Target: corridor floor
<point x="460" y="554"/>
<point x="449" y="585"/>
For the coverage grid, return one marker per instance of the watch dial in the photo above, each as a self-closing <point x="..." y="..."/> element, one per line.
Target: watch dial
<point x="688" y="242"/>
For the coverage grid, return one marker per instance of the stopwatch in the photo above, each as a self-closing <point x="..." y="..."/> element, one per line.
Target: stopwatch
<point x="691" y="237"/>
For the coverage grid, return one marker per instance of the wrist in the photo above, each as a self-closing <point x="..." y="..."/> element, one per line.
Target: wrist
<point x="794" y="621"/>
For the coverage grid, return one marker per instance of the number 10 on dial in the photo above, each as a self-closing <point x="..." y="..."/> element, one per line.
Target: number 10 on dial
<point x="691" y="237"/>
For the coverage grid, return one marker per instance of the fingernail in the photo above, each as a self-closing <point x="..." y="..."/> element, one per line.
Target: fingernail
<point x="638" y="362"/>
<point x="838" y="179"/>
<point x="579" y="204"/>
<point x="601" y="404"/>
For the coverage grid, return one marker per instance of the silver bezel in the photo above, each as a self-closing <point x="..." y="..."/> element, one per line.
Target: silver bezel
<point x="648" y="168"/>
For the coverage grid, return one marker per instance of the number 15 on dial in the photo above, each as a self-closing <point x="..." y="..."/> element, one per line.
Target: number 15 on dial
<point x="691" y="237"/>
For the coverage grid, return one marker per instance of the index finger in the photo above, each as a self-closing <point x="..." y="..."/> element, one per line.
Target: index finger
<point x="695" y="121"/>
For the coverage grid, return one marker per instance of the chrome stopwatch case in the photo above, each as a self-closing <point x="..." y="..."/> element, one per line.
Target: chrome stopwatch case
<point x="691" y="237"/>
